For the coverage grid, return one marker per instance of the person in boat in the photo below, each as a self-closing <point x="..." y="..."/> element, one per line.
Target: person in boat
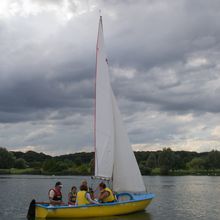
<point x="72" y="196"/>
<point x="55" y="194"/>
<point x="84" y="182"/>
<point x="90" y="190"/>
<point x="83" y="197"/>
<point x="106" y="194"/>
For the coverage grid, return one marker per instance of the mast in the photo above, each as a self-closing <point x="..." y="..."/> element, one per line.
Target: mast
<point x="95" y="157"/>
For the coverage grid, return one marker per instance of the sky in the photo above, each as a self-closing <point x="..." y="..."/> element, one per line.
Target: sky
<point x="164" y="59"/>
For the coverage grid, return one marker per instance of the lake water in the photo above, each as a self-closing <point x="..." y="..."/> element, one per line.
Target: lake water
<point x="177" y="198"/>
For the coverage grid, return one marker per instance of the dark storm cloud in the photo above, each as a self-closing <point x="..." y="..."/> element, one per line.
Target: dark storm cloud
<point x="39" y="94"/>
<point x="43" y="71"/>
<point x="163" y="56"/>
<point x="163" y="32"/>
<point x="55" y="71"/>
<point x="172" y="44"/>
<point x="171" y="91"/>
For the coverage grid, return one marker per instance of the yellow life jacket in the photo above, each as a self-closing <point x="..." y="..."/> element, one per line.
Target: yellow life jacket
<point x="111" y="197"/>
<point x="81" y="198"/>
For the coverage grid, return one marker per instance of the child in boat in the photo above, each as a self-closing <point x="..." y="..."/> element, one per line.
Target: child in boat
<point x="91" y="192"/>
<point x="72" y="196"/>
<point x="83" y="196"/>
<point x="106" y="195"/>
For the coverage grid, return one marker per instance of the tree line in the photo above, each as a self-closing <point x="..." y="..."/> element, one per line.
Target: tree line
<point x="163" y="162"/>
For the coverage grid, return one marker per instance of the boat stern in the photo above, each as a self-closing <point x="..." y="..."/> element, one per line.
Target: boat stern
<point x="41" y="211"/>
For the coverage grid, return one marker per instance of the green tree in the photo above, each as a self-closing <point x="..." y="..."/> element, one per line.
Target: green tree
<point x="49" y="165"/>
<point x="78" y="161"/>
<point x="60" y="166"/>
<point x="151" y="161"/>
<point x="36" y="165"/>
<point x="144" y="169"/>
<point x="196" y="163"/>
<point x="83" y="169"/>
<point x="53" y="165"/>
<point x="7" y="159"/>
<point x="20" y="163"/>
<point x="166" y="160"/>
<point x="213" y="160"/>
<point x="31" y="156"/>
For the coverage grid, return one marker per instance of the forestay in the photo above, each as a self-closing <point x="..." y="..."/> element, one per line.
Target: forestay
<point x="114" y="157"/>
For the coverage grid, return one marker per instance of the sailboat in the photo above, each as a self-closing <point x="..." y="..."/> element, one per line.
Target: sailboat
<point x="114" y="158"/>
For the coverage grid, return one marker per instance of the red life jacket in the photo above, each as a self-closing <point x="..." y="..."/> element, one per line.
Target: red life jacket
<point x="57" y="194"/>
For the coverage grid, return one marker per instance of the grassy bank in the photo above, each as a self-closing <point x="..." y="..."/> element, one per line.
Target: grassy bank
<point x="33" y="171"/>
<point x="20" y="171"/>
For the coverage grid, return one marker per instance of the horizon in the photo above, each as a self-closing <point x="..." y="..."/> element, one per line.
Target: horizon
<point x="94" y="152"/>
<point x="164" y="69"/>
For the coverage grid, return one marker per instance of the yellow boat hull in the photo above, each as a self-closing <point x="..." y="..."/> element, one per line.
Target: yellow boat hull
<point x="107" y="209"/>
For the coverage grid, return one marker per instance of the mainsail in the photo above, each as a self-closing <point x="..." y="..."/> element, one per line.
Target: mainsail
<point x="114" y="157"/>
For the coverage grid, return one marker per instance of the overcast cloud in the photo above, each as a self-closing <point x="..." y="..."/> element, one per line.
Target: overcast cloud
<point x="164" y="59"/>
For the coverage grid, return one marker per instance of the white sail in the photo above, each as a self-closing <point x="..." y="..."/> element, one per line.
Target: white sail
<point x="126" y="174"/>
<point x="104" y="128"/>
<point x="114" y="157"/>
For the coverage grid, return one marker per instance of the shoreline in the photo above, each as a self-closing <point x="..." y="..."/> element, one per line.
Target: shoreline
<point x="31" y="171"/>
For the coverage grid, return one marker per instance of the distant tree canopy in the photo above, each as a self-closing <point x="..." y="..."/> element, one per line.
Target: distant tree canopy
<point x="163" y="162"/>
<point x="7" y="159"/>
<point x="196" y="163"/>
<point x="166" y="160"/>
<point x="213" y="160"/>
<point x="151" y="161"/>
<point x="20" y="163"/>
<point x="32" y="156"/>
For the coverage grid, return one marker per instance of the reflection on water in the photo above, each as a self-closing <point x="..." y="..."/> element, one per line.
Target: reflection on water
<point x="139" y="216"/>
<point x="177" y="198"/>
